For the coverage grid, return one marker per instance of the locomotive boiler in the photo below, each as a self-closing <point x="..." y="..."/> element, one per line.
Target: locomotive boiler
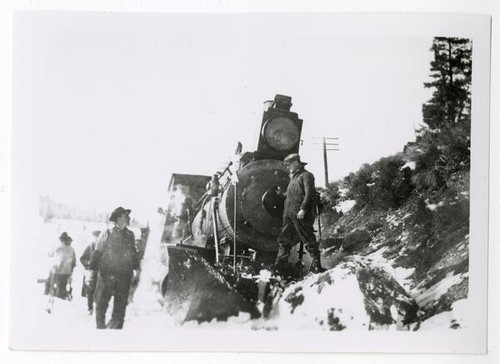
<point x="220" y="230"/>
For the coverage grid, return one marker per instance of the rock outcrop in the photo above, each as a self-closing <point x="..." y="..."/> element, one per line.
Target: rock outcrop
<point x="357" y="294"/>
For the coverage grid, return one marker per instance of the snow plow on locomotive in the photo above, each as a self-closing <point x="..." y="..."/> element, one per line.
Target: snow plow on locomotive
<point x="221" y="230"/>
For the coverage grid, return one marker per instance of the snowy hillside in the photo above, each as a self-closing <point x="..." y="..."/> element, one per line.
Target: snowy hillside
<point x="424" y="244"/>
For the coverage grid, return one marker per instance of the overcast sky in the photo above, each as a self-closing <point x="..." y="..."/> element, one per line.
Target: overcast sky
<point x="107" y="106"/>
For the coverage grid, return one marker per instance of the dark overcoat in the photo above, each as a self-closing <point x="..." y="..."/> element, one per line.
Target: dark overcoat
<point x="85" y="260"/>
<point x="300" y="195"/>
<point x="115" y="253"/>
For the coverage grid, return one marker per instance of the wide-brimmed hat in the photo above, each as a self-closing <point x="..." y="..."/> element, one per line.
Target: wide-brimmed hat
<point x="65" y="237"/>
<point x="119" y="212"/>
<point x="294" y="157"/>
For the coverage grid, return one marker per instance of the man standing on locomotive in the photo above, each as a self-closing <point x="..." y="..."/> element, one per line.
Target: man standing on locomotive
<point x="115" y="259"/>
<point x="299" y="215"/>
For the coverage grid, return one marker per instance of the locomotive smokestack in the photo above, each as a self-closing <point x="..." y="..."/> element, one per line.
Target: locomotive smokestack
<point x="283" y="102"/>
<point x="280" y="102"/>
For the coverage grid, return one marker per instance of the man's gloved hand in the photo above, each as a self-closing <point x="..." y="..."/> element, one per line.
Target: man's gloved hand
<point x="301" y="214"/>
<point x="89" y="277"/>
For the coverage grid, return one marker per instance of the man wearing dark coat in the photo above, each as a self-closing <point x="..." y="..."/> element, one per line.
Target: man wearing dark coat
<point x="299" y="215"/>
<point x="89" y="278"/>
<point x="116" y="261"/>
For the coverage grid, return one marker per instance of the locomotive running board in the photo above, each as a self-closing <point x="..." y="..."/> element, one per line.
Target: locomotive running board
<point x="197" y="290"/>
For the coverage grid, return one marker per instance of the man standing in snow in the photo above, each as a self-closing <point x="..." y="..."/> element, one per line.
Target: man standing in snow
<point x="64" y="262"/>
<point x="116" y="262"/>
<point x="89" y="278"/>
<point x="299" y="215"/>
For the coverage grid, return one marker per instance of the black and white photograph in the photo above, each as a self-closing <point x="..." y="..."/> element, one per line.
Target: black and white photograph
<point x="241" y="182"/>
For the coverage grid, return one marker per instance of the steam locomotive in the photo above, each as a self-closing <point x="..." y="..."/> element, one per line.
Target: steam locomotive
<point x="220" y="230"/>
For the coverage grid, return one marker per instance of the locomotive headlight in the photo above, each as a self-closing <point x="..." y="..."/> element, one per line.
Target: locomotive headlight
<point x="281" y="133"/>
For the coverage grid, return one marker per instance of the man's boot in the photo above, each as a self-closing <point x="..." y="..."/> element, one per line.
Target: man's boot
<point x="316" y="260"/>
<point x="100" y="320"/>
<point x="316" y="266"/>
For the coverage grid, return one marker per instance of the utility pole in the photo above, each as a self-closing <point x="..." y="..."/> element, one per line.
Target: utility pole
<point x="325" y="161"/>
<point x="328" y="144"/>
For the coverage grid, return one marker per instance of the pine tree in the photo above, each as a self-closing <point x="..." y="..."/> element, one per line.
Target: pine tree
<point x="451" y="72"/>
<point x="443" y="145"/>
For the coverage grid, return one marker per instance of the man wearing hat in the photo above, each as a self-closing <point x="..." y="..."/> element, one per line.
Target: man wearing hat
<point x="89" y="278"/>
<point x="64" y="261"/>
<point x="115" y="260"/>
<point x="299" y="215"/>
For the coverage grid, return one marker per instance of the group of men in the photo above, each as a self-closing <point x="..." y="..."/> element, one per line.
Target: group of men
<point x="112" y="264"/>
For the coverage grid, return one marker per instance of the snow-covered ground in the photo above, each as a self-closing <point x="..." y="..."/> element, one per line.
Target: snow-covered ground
<point x="146" y="313"/>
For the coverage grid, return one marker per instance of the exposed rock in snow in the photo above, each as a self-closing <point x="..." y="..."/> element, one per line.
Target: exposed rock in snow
<point x="400" y="274"/>
<point x="355" y="295"/>
<point x="356" y="239"/>
<point x="427" y="296"/>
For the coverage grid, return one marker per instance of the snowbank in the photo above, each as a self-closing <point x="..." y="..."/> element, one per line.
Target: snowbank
<point x="345" y="206"/>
